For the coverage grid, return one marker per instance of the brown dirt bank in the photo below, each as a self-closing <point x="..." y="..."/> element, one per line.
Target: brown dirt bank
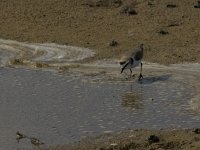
<point x="138" y="140"/>
<point x="94" y="25"/>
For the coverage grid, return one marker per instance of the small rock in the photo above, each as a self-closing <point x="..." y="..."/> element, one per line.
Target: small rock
<point x="173" y="25"/>
<point x="150" y="4"/>
<point x="198" y="5"/>
<point x="19" y="136"/>
<point x="163" y="32"/>
<point x="197" y="131"/>
<point x="103" y="3"/>
<point x="113" y="43"/>
<point x="117" y="2"/>
<point x="196" y="139"/>
<point x="153" y="139"/>
<point x="36" y="142"/>
<point x="127" y="9"/>
<point x="16" y="61"/>
<point x="171" y="5"/>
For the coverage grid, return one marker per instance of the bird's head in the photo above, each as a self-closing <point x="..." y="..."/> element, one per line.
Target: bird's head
<point x="142" y="46"/>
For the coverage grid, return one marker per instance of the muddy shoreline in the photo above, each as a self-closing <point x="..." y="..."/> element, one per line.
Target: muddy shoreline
<point x="139" y="139"/>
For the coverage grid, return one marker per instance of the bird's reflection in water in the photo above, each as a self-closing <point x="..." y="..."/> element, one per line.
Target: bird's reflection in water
<point x="132" y="100"/>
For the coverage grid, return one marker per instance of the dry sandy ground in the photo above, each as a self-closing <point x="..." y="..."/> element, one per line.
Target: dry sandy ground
<point x="170" y="35"/>
<point x="93" y="24"/>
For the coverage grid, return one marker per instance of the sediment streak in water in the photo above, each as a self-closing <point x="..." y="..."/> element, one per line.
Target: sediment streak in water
<point x="45" y="52"/>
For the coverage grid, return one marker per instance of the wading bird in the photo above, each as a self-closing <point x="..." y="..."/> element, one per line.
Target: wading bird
<point x="133" y="60"/>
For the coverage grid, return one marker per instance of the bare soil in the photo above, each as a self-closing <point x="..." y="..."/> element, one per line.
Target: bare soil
<point x="169" y="29"/>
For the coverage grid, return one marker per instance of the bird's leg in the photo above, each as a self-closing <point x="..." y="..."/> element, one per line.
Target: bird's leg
<point x="130" y="73"/>
<point x="140" y="77"/>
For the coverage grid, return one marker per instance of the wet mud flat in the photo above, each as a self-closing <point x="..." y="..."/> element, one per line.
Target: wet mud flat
<point x="139" y="139"/>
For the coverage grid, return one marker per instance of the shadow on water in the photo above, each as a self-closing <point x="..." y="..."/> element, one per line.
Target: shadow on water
<point x="153" y="79"/>
<point x="134" y="98"/>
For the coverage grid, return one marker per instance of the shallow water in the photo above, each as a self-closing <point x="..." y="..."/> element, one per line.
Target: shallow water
<point x="60" y="108"/>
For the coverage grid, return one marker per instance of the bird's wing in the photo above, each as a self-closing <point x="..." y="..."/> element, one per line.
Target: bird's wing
<point x="138" y="55"/>
<point x="130" y="61"/>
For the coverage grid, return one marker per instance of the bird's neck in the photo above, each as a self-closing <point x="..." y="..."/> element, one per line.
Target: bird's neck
<point x="141" y="47"/>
